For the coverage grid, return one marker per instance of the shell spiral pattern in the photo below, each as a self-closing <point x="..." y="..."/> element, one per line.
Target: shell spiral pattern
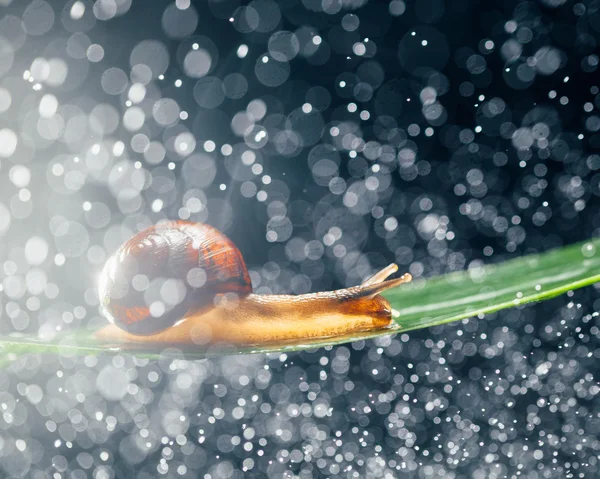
<point x="168" y="271"/>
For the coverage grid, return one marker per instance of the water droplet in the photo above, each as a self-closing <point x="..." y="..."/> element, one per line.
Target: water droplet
<point x="588" y="250"/>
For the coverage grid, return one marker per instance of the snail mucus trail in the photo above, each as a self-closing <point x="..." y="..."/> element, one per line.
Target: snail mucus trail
<point x="183" y="284"/>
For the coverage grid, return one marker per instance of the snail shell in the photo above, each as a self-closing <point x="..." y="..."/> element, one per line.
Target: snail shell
<point x="167" y="272"/>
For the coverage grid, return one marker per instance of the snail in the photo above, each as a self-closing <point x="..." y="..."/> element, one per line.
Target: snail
<point x="183" y="284"/>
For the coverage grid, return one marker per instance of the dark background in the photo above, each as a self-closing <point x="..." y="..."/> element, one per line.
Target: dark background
<point x="513" y="393"/>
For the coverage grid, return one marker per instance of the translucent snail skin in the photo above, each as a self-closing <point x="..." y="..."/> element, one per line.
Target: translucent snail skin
<point x="218" y="306"/>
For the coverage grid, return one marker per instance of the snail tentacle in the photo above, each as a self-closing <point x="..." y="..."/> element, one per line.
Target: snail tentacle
<point x="381" y="275"/>
<point x="377" y="283"/>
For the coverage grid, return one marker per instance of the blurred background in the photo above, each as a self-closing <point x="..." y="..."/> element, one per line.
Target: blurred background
<point x="326" y="138"/>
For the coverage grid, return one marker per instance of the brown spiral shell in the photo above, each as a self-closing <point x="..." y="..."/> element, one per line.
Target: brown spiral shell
<point x="168" y="271"/>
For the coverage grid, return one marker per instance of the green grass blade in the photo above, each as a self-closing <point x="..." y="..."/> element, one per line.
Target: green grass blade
<point x="420" y="304"/>
<point x="481" y="290"/>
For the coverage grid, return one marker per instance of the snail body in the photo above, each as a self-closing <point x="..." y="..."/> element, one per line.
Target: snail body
<point x="184" y="284"/>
